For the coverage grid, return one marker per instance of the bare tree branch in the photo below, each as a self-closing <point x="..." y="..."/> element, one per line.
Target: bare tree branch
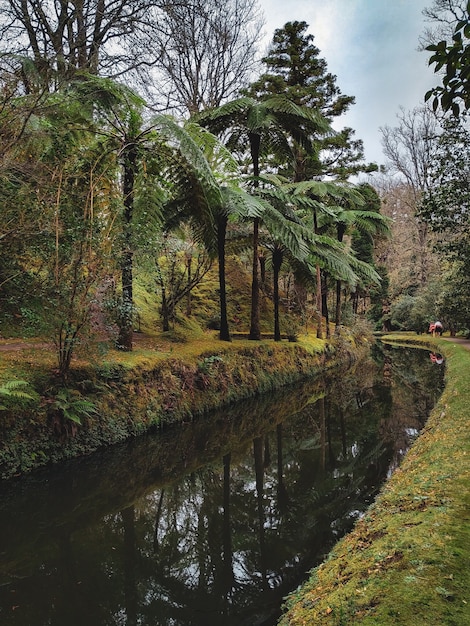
<point x="207" y="51"/>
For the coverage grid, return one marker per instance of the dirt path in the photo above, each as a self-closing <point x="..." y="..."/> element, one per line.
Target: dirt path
<point x="459" y="340"/>
<point x="140" y="340"/>
<point x="23" y="345"/>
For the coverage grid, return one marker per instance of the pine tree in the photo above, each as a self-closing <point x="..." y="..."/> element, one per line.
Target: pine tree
<point x="295" y="69"/>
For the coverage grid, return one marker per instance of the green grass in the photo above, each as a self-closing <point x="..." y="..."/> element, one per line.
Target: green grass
<point x="406" y="561"/>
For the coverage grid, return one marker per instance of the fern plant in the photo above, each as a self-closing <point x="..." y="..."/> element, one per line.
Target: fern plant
<point x="17" y="391"/>
<point x="72" y="406"/>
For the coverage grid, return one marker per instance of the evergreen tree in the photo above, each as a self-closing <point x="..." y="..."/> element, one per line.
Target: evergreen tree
<point x="295" y="69"/>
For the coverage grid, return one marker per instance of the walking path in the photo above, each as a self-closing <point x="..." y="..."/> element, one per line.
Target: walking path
<point x="459" y="340"/>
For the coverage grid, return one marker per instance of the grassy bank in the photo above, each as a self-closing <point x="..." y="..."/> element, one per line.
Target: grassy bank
<point x="406" y="561"/>
<point x="159" y="384"/>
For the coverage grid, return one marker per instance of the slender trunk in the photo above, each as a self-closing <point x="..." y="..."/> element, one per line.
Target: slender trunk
<point x="130" y="558"/>
<point x="318" y="294"/>
<point x="355" y="302"/>
<point x="189" y="261"/>
<point x="282" y="497"/>
<point x="262" y="269"/>
<point x="321" y="410"/>
<point x="156" y="544"/>
<point x="343" y="431"/>
<point x="340" y="230"/>
<point x="165" y="312"/>
<point x="338" y="308"/>
<point x="319" y="305"/>
<point x="255" y="331"/>
<point x="277" y="262"/>
<point x="259" y="474"/>
<point x="324" y="296"/>
<point x="224" y="333"/>
<point x="227" y="549"/>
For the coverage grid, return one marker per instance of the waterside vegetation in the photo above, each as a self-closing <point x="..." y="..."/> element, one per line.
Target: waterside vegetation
<point x="405" y="562"/>
<point x="161" y="383"/>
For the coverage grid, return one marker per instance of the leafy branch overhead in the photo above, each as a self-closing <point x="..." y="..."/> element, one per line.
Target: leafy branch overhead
<point x="452" y="58"/>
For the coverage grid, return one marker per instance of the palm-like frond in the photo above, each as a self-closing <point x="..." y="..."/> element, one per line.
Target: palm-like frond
<point x="239" y="204"/>
<point x="337" y="263"/>
<point x="365" y="272"/>
<point x="196" y="193"/>
<point x="312" y="119"/>
<point x="366" y="221"/>
<point x="274" y="119"/>
<point x="106" y="93"/>
<point x="222" y="162"/>
<point x="184" y="144"/>
<point x="17" y="389"/>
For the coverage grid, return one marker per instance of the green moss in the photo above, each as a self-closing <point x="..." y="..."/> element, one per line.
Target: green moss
<point x="133" y="392"/>
<point x="406" y="561"/>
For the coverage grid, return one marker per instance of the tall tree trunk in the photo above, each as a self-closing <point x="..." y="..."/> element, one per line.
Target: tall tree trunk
<point x="262" y="269"/>
<point x="318" y="294"/>
<point x="324" y="296"/>
<point x="259" y="476"/>
<point x="355" y="301"/>
<point x="224" y="333"/>
<point x="338" y="308"/>
<point x="340" y="230"/>
<point x="255" y="331"/>
<point x="282" y="497"/>
<point x="158" y="517"/>
<point x="130" y="558"/>
<point x="189" y="261"/>
<point x="227" y="549"/>
<point x="277" y="262"/>
<point x="319" y="305"/>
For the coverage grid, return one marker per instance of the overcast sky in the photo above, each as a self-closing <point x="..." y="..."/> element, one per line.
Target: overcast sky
<point x="371" y="46"/>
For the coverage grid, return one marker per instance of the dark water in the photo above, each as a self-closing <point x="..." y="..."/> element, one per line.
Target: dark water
<point x="215" y="522"/>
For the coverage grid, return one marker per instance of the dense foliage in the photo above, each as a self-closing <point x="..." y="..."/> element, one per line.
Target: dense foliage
<point x="98" y="195"/>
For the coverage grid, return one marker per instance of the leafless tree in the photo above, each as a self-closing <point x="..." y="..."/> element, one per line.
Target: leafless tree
<point x="408" y="149"/>
<point x="442" y="16"/>
<point x="192" y="53"/>
<point x="207" y="51"/>
<point x="56" y="38"/>
<point x="408" y="146"/>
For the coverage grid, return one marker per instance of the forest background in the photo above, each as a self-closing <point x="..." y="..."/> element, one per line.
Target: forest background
<point x="156" y="174"/>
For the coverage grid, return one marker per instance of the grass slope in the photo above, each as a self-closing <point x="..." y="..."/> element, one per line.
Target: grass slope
<point x="160" y="383"/>
<point x="406" y="561"/>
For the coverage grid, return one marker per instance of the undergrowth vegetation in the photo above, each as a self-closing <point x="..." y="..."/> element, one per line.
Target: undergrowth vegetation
<point x="168" y="378"/>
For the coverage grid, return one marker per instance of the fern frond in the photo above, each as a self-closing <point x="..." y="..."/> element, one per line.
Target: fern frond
<point x="17" y="389"/>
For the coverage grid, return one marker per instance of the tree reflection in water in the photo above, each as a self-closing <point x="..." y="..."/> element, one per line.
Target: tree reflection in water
<point x="215" y="522"/>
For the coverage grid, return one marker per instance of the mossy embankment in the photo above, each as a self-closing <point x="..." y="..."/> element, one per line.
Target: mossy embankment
<point x="153" y="387"/>
<point x="406" y="561"/>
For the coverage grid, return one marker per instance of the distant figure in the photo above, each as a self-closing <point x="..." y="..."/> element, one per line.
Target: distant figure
<point x="436" y="329"/>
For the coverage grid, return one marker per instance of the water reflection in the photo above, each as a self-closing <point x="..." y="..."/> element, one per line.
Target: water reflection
<point x="214" y="522"/>
<point x="436" y="358"/>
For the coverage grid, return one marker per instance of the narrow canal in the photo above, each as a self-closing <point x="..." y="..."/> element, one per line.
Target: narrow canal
<point x="214" y="522"/>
